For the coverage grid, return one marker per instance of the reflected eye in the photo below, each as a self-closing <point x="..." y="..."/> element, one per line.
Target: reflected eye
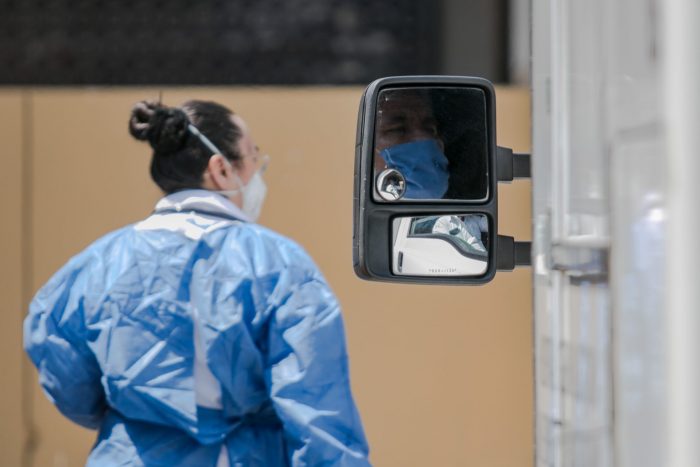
<point x="396" y="130"/>
<point x="431" y="130"/>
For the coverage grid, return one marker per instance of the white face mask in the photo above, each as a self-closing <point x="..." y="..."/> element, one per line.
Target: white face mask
<point x="254" y="196"/>
<point x="253" y="193"/>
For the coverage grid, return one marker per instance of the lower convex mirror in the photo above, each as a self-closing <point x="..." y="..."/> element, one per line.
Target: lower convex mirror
<point x="440" y="245"/>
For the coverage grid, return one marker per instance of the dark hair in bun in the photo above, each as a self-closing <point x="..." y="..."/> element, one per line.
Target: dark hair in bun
<point x="180" y="158"/>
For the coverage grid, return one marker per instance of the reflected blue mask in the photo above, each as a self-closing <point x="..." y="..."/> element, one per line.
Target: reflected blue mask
<point x="423" y="165"/>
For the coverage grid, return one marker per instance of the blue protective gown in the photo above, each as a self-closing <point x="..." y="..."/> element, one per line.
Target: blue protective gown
<point x="195" y="338"/>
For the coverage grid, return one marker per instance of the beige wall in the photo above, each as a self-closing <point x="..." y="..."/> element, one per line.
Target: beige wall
<point x="442" y="375"/>
<point x="12" y="425"/>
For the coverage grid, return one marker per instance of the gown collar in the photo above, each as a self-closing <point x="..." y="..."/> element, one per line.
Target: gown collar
<point x="204" y="201"/>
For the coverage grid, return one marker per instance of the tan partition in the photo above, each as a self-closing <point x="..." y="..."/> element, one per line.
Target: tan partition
<point x="442" y="375"/>
<point x="89" y="177"/>
<point x="12" y="273"/>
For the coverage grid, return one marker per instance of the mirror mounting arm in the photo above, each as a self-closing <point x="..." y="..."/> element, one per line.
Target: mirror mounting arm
<point x="512" y="253"/>
<point x="512" y="165"/>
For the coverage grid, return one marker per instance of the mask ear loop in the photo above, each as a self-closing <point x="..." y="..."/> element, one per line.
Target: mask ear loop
<point x="212" y="147"/>
<point x="206" y="141"/>
<point x="235" y="191"/>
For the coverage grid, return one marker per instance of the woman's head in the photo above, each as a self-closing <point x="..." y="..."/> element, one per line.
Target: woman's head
<point x="201" y="145"/>
<point x="180" y="158"/>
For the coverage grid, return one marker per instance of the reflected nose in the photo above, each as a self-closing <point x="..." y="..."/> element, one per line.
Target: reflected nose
<point x="420" y="134"/>
<point x="416" y="130"/>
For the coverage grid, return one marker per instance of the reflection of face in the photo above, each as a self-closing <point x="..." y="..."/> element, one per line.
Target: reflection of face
<point x="403" y="117"/>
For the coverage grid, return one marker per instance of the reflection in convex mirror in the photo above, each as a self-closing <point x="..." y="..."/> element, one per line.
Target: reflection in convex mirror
<point x="436" y="139"/>
<point x="391" y="185"/>
<point x="440" y="245"/>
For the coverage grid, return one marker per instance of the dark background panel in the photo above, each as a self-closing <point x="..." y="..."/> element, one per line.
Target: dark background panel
<point x="79" y="42"/>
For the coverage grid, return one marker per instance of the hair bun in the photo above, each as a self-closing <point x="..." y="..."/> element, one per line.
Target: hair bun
<point x="163" y="127"/>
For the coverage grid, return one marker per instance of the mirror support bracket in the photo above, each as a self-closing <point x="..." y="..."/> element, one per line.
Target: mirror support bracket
<point x="512" y="165"/>
<point x="512" y="253"/>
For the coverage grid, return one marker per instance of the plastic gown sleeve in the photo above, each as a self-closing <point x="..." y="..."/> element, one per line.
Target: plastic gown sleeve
<point x="308" y="376"/>
<point x="55" y="339"/>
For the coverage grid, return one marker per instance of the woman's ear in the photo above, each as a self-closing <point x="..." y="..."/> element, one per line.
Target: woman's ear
<point x="219" y="172"/>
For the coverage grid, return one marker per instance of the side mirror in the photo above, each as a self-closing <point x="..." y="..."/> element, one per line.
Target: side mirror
<point x="426" y="174"/>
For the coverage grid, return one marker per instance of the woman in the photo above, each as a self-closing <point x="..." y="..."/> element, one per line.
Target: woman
<point x="197" y="337"/>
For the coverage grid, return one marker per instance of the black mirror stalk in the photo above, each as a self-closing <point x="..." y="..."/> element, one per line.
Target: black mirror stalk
<point x="512" y="165"/>
<point x="512" y="254"/>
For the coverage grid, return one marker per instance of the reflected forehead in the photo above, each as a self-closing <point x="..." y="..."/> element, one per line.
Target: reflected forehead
<point x="397" y="106"/>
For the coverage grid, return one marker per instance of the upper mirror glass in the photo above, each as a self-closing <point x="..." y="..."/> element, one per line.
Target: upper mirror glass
<point x="436" y="138"/>
<point x="442" y="245"/>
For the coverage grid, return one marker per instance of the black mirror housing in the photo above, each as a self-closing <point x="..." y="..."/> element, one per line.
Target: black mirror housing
<point x="445" y="236"/>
